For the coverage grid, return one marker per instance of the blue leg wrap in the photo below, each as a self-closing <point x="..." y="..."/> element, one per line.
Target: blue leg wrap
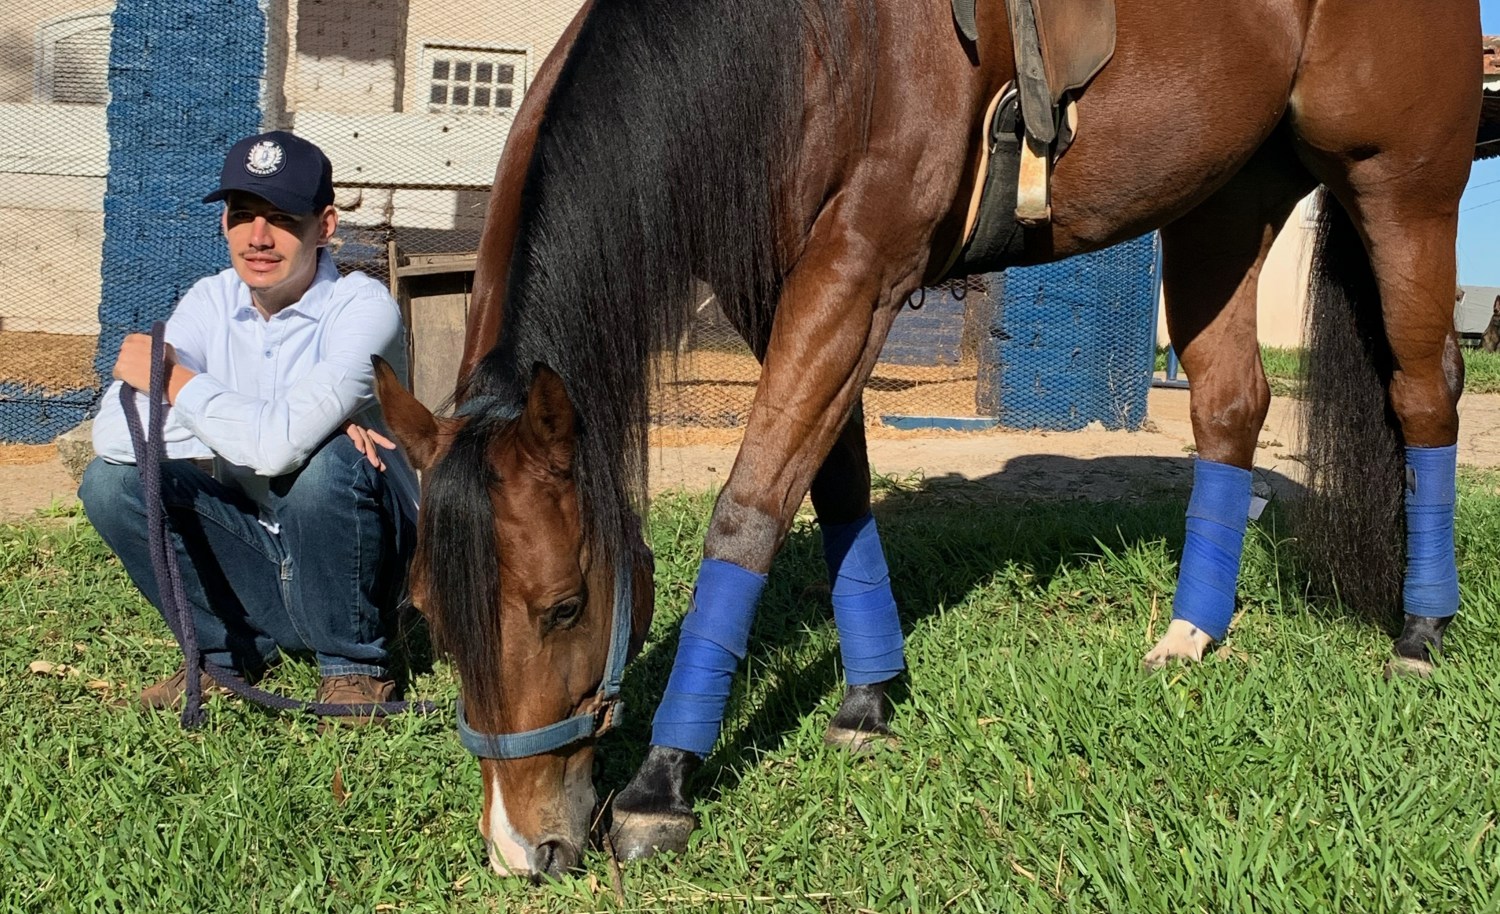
<point x="1216" y="517"/>
<point x="713" y="642"/>
<point x="1431" y="587"/>
<point x="863" y="607"/>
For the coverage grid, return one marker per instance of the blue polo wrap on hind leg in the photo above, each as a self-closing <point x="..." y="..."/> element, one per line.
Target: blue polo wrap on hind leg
<point x="1216" y="518"/>
<point x="715" y="636"/>
<point x="864" y="609"/>
<point x="1431" y="587"/>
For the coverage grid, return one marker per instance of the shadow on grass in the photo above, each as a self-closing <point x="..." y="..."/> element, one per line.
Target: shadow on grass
<point x="943" y="537"/>
<point x="411" y="652"/>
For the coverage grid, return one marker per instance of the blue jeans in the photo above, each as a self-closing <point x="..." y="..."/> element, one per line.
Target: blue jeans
<point x="326" y="584"/>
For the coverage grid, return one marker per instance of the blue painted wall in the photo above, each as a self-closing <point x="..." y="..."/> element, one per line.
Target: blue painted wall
<point x="186" y="82"/>
<point x="933" y="332"/>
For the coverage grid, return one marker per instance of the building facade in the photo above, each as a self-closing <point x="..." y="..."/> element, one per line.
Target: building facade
<point x="412" y="99"/>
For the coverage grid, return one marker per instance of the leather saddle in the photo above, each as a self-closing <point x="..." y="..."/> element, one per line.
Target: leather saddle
<point x="1060" y="45"/>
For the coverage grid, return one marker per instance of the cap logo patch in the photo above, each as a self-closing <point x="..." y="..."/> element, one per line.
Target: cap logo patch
<point x="266" y="158"/>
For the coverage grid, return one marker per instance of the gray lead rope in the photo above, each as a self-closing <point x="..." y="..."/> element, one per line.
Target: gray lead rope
<point x="149" y="454"/>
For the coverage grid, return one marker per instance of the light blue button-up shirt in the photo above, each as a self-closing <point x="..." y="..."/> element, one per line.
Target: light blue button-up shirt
<point x="269" y="392"/>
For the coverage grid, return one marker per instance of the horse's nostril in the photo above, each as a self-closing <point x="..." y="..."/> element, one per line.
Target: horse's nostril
<point x="555" y="859"/>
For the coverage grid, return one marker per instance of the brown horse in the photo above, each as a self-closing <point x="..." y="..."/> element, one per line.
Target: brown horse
<point x="814" y="161"/>
<point x="1490" y="339"/>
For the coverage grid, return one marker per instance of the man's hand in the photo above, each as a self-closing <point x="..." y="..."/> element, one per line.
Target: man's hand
<point x="369" y="443"/>
<point x="134" y="363"/>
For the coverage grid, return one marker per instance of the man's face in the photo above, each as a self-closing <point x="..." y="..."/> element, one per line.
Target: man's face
<point x="274" y="252"/>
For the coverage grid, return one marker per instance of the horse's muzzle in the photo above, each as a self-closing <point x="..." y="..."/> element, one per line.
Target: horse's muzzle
<point x="555" y="858"/>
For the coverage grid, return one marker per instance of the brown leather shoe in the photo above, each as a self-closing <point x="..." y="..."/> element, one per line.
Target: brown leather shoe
<point x="355" y="689"/>
<point x="168" y="694"/>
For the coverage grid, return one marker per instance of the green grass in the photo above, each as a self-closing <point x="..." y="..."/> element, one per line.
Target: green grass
<point x="1039" y="770"/>
<point x="1481" y="369"/>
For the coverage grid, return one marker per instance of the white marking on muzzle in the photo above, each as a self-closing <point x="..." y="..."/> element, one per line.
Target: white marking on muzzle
<point x="509" y="853"/>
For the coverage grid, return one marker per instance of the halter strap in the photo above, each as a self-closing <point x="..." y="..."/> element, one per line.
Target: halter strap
<point x="607" y="708"/>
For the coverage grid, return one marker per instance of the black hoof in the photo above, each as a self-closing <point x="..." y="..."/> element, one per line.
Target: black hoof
<point x="862" y="723"/>
<point x="859" y="742"/>
<point x="1415" y="654"/>
<point x="652" y="814"/>
<point x="638" y="835"/>
<point x="1398" y="667"/>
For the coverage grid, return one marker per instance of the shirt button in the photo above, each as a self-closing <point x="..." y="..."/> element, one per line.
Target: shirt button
<point x="268" y="353"/>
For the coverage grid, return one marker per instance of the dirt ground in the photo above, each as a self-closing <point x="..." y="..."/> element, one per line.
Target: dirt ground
<point x="1091" y="464"/>
<point x="713" y="389"/>
<point x="47" y="361"/>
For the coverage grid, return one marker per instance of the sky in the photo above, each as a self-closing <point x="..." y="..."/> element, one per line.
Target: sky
<point x="1479" y="212"/>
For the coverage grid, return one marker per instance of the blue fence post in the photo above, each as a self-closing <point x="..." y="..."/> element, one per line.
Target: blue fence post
<point x="186" y="79"/>
<point x="1072" y="342"/>
<point x="1172" y="367"/>
<point x="1171" y="379"/>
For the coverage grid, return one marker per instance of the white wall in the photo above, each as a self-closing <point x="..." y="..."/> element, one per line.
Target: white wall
<point x="52" y="168"/>
<point x="1282" y="293"/>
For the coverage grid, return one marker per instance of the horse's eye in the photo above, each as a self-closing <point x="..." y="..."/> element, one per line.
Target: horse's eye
<point x="564" y="614"/>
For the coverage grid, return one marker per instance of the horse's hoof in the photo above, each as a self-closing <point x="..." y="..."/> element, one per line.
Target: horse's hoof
<point x="862" y="723"/>
<point x="638" y="835"/>
<point x="1399" y="667"/>
<point x="652" y="814"/>
<point x="1417" y="650"/>
<point x="1183" y="641"/>
<point x="859" y="742"/>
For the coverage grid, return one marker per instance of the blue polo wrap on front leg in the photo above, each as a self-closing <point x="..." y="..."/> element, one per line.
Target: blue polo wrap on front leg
<point x="1216" y="518"/>
<point x="715" y="636"/>
<point x="1431" y="586"/>
<point x="864" y="609"/>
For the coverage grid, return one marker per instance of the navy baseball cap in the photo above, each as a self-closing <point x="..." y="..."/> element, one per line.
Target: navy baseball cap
<point x="287" y="170"/>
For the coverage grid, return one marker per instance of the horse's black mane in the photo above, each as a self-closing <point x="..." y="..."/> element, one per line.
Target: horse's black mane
<point x="660" y="160"/>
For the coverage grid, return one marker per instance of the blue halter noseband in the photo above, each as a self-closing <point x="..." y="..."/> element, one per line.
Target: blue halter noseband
<point x="603" y="712"/>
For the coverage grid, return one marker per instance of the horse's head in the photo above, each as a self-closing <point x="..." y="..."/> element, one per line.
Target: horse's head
<point x="522" y="593"/>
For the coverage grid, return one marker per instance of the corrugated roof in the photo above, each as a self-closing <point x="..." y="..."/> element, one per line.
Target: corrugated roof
<point x="1475" y="307"/>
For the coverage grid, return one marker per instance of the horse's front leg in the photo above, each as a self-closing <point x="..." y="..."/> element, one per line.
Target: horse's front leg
<point x="864" y="608"/>
<point x="832" y="318"/>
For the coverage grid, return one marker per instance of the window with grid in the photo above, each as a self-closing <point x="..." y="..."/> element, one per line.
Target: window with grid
<point x="474" y="80"/>
<point x="73" y="59"/>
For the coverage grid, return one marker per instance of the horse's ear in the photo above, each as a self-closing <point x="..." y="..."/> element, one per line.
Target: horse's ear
<point x="412" y="424"/>
<point x="548" y="423"/>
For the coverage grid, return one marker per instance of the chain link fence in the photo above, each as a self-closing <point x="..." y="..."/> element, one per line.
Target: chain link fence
<point x="53" y="159"/>
<point x="412" y="100"/>
<point x="1073" y="342"/>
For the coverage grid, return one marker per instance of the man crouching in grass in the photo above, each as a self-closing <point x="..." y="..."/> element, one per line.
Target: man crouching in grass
<point x="293" y="530"/>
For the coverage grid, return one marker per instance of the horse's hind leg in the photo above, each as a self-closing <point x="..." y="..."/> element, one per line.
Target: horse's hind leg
<point x="1211" y="262"/>
<point x="1411" y="252"/>
<point x="1398" y="168"/>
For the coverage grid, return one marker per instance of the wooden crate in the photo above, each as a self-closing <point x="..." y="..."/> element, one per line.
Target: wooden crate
<point x="434" y="292"/>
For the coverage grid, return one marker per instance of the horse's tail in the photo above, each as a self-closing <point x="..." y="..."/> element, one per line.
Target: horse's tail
<point x="1350" y="525"/>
